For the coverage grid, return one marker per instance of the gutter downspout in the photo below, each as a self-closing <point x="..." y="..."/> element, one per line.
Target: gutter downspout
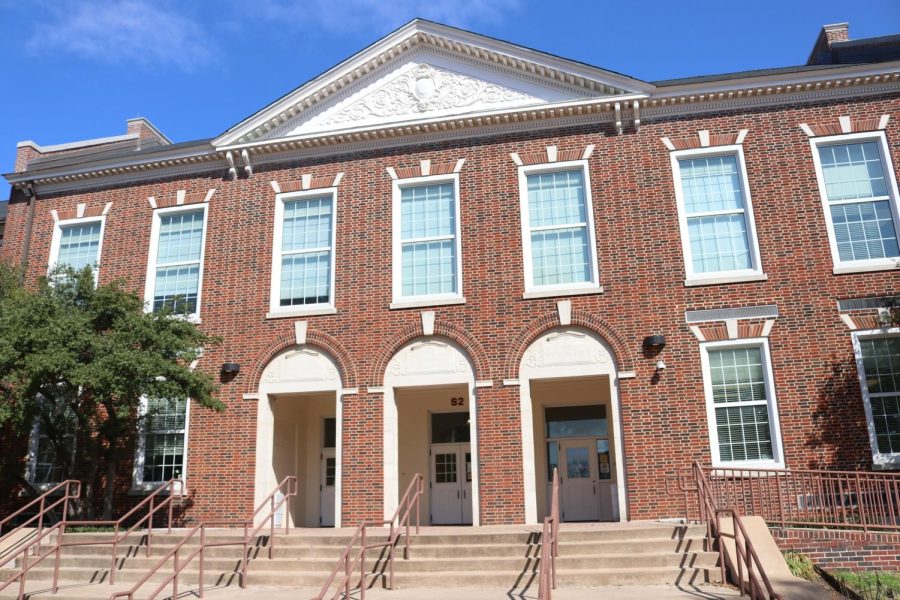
<point x="32" y="201"/>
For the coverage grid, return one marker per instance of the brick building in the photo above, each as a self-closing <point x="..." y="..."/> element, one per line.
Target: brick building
<point x="457" y="256"/>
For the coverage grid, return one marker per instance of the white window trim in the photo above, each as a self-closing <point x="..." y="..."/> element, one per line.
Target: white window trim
<point x="755" y="272"/>
<point x="879" y="459"/>
<point x="399" y="300"/>
<point x="563" y="289"/>
<point x="858" y="266"/>
<point x="56" y="241"/>
<point x="322" y="308"/>
<point x="138" y="485"/>
<point x="777" y="461"/>
<point x="150" y="285"/>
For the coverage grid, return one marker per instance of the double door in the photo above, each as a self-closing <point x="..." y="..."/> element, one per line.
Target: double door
<point x="451" y="484"/>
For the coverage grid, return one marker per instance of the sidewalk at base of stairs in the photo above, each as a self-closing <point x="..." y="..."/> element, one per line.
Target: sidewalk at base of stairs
<point x="631" y="592"/>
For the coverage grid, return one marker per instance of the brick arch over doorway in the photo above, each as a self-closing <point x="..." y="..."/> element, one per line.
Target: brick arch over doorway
<point x="624" y="358"/>
<point x="441" y="329"/>
<point x="314" y="337"/>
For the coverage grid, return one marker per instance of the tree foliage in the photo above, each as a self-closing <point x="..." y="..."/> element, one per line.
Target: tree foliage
<point x="78" y="358"/>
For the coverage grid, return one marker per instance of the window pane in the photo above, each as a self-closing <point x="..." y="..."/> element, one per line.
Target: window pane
<point x="428" y="268"/>
<point x="852" y="171"/>
<point x="560" y="256"/>
<point x="78" y="245"/>
<point x="305" y="278"/>
<point x="177" y="287"/>
<point x="881" y="366"/>
<point x="552" y="459"/>
<point x="711" y="183"/>
<point x="427" y="211"/>
<point x="744" y="432"/>
<point x="603" y="465"/>
<point x="448" y="428"/>
<point x="578" y="464"/>
<point x="864" y="230"/>
<point x="164" y="439"/>
<point x="330" y="433"/>
<point x="330" y="470"/>
<point x="556" y="198"/>
<point x="719" y="243"/>
<point x="445" y="468"/>
<point x="736" y="375"/>
<point x="180" y="237"/>
<point x="307" y="224"/>
<point x="576" y="421"/>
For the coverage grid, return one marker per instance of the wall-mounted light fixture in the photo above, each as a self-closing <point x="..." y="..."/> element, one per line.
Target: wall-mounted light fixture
<point x="231" y="368"/>
<point x="655" y="341"/>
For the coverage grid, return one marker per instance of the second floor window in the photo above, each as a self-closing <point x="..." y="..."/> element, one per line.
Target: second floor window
<point x="303" y="258"/>
<point x="716" y="218"/>
<point x="558" y="232"/>
<point x="426" y="241"/>
<point x="76" y="244"/>
<point x="861" y="199"/>
<point x="176" y="259"/>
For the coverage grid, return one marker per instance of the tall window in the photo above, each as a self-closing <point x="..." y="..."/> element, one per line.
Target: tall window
<point x="52" y="443"/>
<point x="878" y="358"/>
<point x="715" y="216"/>
<point x="743" y="416"/>
<point x="76" y="244"/>
<point x="558" y="231"/>
<point x="162" y="444"/>
<point x="303" y="273"/>
<point x="860" y="197"/>
<point x="426" y="241"/>
<point x="176" y="256"/>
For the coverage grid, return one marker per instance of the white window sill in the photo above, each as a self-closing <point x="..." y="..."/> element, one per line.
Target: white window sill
<point x="44" y="487"/>
<point x="301" y="312"/>
<point x="866" y="268"/>
<point x="723" y="279"/>
<point x="575" y="291"/>
<point x="145" y="489"/>
<point x="721" y="468"/>
<point x="886" y="462"/>
<point x="425" y="302"/>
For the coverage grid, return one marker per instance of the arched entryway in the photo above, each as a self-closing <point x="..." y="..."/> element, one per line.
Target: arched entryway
<point x="299" y="433"/>
<point x="570" y="419"/>
<point x="430" y="411"/>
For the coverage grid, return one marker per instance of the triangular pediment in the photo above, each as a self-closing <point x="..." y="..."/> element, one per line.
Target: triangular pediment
<point x="421" y="72"/>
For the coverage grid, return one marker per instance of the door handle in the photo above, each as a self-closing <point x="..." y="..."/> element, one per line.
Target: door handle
<point x="457" y="494"/>
<point x="595" y="488"/>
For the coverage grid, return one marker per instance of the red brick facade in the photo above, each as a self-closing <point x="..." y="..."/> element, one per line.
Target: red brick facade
<point x="641" y="266"/>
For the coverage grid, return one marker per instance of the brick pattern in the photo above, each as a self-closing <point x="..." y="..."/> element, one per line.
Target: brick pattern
<point x="641" y="267"/>
<point x="832" y="549"/>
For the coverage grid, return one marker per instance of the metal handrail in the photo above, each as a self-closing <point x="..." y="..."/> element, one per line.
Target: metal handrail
<point x="44" y="508"/>
<point x="549" y="545"/>
<point x="411" y="498"/>
<point x="34" y="545"/>
<point x="288" y="488"/>
<point x="745" y="554"/>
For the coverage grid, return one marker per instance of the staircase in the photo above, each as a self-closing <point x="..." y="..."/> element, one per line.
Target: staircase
<point x="488" y="557"/>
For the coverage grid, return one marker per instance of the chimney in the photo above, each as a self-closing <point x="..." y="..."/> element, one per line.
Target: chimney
<point x="26" y="152"/>
<point x="821" y="52"/>
<point x="145" y="130"/>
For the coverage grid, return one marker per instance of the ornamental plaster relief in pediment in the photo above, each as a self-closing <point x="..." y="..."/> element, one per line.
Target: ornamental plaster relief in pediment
<point x="431" y="357"/>
<point x="426" y="87"/>
<point x="300" y="364"/>
<point x="567" y="348"/>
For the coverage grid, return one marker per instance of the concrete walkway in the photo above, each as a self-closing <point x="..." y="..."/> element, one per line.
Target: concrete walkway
<point x="636" y="592"/>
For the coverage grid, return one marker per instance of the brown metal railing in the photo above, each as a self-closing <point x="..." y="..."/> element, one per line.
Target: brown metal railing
<point x="349" y="561"/>
<point x="288" y="490"/>
<point x="44" y="504"/>
<point x="33" y="547"/>
<point x="810" y="498"/>
<point x="549" y="545"/>
<point x="757" y="586"/>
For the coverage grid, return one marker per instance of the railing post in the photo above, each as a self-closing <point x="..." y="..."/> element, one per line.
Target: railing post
<point x="347" y="572"/>
<point x="271" y="524"/>
<point x="245" y="558"/>
<point x="202" y="550"/>
<point x="171" y="502"/>
<point x="175" y="578"/>
<point x="24" y="574"/>
<point x="40" y="527"/>
<point x="362" y="566"/>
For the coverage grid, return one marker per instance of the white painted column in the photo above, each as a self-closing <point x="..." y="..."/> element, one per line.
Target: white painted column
<point x="473" y="438"/>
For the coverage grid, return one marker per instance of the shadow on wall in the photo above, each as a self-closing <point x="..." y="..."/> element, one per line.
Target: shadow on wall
<point x="839" y="436"/>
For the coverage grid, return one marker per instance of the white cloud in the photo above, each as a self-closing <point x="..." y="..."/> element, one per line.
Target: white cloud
<point x="140" y="32"/>
<point x="358" y="15"/>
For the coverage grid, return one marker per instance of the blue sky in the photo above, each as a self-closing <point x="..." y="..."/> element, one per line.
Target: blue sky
<point x="77" y="69"/>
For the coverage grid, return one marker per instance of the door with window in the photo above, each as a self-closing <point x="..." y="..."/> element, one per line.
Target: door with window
<point x="328" y="471"/>
<point x="451" y="469"/>
<point x="451" y="484"/>
<point x="578" y="479"/>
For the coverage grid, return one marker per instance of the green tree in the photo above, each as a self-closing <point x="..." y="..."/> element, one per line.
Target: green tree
<point x="78" y="358"/>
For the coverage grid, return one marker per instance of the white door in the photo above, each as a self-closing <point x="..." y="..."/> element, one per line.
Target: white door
<point x="451" y="484"/>
<point x="578" y="481"/>
<point x="326" y="487"/>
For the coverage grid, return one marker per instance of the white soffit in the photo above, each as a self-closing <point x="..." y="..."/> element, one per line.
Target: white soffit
<point x="431" y="70"/>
